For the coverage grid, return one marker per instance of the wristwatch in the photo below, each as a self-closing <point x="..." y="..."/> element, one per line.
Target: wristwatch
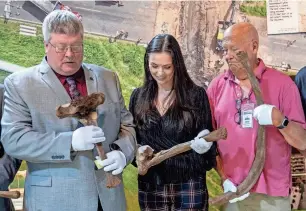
<point x="284" y="123"/>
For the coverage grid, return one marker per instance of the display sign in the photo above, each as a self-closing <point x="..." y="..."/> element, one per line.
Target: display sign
<point x="286" y="16"/>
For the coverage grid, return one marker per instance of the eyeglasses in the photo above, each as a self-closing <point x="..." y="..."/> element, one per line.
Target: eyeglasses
<point x="64" y="48"/>
<point x="238" y="113"/>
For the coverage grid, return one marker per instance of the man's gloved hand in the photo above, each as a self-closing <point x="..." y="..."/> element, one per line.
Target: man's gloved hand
<point x="263" y="114"/>
<point x="85" y="137"/>
<point x="199" y="144"/>
<point x="229" y="186"/>
<point x="115" y="162"/>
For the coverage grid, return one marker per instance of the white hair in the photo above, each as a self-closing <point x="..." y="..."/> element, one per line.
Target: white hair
<point x="61" y="22"/>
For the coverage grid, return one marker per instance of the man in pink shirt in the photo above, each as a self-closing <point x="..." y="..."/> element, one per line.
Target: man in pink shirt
<point x="234" y="107"/>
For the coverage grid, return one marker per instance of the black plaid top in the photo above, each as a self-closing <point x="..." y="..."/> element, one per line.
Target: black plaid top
<point x="163" y="133"/>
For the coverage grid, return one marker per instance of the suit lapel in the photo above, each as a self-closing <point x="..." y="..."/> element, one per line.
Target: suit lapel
<point x="91" y="80"/>
<point x="49" y="77"/>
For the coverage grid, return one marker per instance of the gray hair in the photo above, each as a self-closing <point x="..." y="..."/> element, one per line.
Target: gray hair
<point x="61" y="22"/>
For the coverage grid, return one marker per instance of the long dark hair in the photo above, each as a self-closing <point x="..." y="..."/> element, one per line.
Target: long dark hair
<point x="181" y="83"/>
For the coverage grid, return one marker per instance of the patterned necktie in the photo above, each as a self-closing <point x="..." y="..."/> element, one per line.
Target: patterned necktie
<point x="73" y="91"/>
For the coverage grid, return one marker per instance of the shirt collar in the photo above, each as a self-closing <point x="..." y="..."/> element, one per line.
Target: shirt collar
<point x="79" y="76"/>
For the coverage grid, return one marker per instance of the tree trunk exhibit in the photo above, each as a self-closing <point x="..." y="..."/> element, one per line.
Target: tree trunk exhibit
<point x="197" y="34"/>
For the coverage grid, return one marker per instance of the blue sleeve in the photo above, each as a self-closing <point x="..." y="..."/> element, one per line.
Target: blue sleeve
<point x="300" y="81"/>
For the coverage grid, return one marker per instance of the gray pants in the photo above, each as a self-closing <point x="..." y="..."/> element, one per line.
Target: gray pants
<point x="260" y="202"/>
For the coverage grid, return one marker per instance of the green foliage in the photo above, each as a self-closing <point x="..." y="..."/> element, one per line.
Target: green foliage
<point x="23" y="166"/>
<point x="254" y="9"/>
<point x="22" y="50"/>
<point x="131" y="187"/>
<point x="17" y="183"/>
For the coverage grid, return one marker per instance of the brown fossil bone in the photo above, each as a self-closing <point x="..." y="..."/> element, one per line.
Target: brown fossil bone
<point x="10" y="194"/>
<point x="147" y="159"/>
<point x="260" y="153"/>
<point x="84" y="109"/>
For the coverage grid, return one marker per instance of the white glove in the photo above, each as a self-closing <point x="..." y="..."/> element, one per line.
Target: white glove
<point x="85" y="137"/>
<point x="229" y="186"/>
<point x="263" y="114"/>
<point x="115" y="162"/>
<point x="141" y="149"/>
<point x="199" y="144"/>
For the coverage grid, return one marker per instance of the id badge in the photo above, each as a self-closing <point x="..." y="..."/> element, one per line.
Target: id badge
<point x="247" y="115"/>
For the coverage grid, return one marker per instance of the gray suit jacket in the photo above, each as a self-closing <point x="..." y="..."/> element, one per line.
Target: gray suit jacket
<point x="8" y="168"/>
<point x="57" y="178"/>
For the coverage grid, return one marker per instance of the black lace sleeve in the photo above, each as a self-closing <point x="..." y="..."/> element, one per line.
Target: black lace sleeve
<point x="206" y="123"/>
<point x="204" y="111"/>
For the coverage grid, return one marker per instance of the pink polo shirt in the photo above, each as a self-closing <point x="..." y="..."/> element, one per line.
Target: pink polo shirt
<point x="238" y="150"/>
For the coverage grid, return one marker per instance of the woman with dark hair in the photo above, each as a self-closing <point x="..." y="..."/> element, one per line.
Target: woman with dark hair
<point x="170" y="109"/>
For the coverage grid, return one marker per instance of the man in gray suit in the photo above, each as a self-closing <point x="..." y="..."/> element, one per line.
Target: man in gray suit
<point x="8" y="168"/>
<point x="59" y="152"/>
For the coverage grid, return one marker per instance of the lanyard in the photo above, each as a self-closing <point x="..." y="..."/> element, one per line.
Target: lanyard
<point x="239" y="93"/>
